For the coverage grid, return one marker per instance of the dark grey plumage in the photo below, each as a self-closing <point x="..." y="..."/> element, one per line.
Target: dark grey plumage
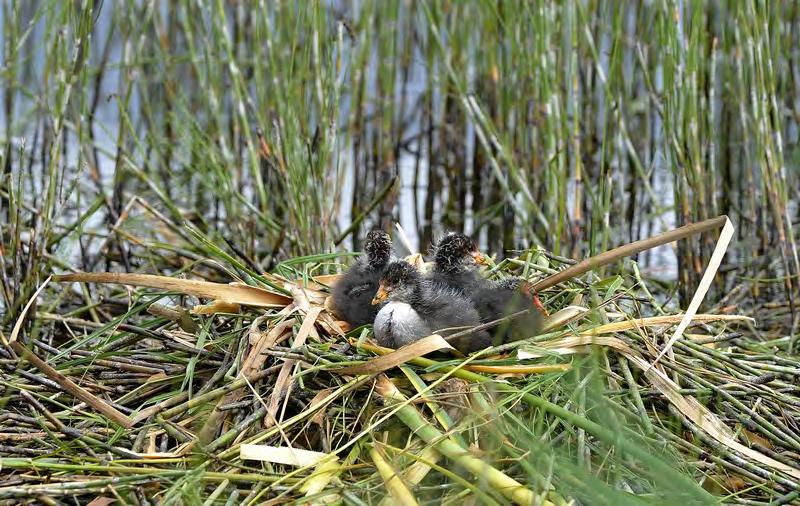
<point x="455" y="258"/>
<point x="436" y="309"/>
<point x="504" y="298"/>
<point x="454" y="264"/>
<point x="352" y="295"/>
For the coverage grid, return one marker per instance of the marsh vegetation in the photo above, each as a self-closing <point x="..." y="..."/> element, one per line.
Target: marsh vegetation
<point x="260" y="142"/>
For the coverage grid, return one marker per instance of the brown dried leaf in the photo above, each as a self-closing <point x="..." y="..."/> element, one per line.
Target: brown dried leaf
<point x="217" y="306"/>
<point x="561" y="318"/>
<point x="416" y="349"/>
<point x="758" y="439"/>
<point x="722" y="485"/>
<point x="328" y="305"/>
<point x="235" y="293"/>
<point x="319" y="282"/>
<point x="255" y="358"/>
<point x="319" y="416"/>
<point x="301" y="300"/>
<point x="654" y="321"/>
<point x="101" y="501"/>
<point x="714" y="262"/>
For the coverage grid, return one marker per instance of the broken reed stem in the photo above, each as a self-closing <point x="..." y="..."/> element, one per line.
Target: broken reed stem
<point x="70" y="387"/>
<point x="408" y="414"/>
<point x="659" y="470"/>
<point x="628" y="250"/>
<point x="398" y="490"/>
<point x="485" y="326"/>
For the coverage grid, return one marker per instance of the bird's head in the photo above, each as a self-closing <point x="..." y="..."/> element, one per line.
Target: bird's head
<point x="398" y="282"/>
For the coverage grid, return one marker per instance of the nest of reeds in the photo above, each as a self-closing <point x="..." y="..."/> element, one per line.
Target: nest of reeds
<point x="113" y="391"/>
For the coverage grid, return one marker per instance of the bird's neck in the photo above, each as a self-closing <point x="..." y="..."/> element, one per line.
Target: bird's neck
<point x="424" y="300"/>
<point x="376" y="263"/>
<point x="447" y="267"/>
<point x="417" y="296"/>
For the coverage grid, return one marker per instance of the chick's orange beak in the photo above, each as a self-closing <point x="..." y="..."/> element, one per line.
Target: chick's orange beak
<point x="479" y="258"/>
<point x="380" y="296"/>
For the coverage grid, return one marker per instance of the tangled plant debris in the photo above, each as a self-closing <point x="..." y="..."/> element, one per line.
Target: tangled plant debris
<point x="264" y="395"/>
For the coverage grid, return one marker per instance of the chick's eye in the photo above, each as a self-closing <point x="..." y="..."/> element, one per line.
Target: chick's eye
<point x="362" y="288"/>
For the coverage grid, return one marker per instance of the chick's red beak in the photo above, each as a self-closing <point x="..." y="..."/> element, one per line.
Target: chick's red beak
<point x="380" y="296"/>
<point x="479" y="258"/>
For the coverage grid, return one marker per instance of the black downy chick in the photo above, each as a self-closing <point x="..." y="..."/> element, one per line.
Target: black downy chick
<point x="456" y="258"/>
<point x="504" y="298"/>
<point x="431" y="308"/>
<point x="353" y="293"/>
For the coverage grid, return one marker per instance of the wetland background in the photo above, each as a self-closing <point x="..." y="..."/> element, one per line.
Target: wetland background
<point x="227" y="139"/>
<point x="282" y="128"/>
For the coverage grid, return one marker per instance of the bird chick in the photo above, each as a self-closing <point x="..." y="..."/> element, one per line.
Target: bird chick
<point x="504" y="298"/>
<point x="417" y="308"/>
<point x="455" y="259"/>
<point x="353" y="293"/>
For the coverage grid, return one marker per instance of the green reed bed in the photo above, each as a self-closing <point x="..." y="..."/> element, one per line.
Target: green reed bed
<point x="574" y="126"/>
<point x="600" y="431"/>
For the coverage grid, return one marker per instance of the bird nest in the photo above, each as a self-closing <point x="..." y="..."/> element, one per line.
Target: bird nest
<point x="124" y="387"/>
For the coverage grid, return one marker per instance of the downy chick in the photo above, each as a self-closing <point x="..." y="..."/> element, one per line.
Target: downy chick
<point x="353" y="293"/>
<point x="504" y="298"/>
<point x="417" y="308"/>
<point x="456" y="259"/>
